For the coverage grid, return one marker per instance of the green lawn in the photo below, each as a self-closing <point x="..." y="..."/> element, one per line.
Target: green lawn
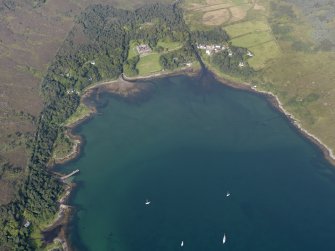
<point x="169" y="45"/>
<point x="81" y="112"/>
<point x="132" y="49"/>
<point x="149" y="64"/>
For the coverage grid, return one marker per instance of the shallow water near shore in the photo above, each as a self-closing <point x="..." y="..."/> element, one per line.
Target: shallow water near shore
<point x="183" y="145"/>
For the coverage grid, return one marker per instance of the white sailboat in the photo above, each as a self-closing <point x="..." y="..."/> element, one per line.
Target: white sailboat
<point x="228" y="194"/>
<point x="224" y="239"/>
<point x="182" y="243"/>
<point x="147" y="202"/>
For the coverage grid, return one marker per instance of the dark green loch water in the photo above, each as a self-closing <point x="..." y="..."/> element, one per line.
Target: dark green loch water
<point x="183" y="145"/>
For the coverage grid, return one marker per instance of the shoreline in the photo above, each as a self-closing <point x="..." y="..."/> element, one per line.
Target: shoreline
<point x="60" y="223"/>
<point x="122" y="82"/>
<point x="276" y="104"/>
<point x="64" y="213"/>
<point x="189" y="70"/>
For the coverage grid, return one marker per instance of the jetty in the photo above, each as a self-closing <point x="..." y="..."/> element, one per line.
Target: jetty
<point x="70" y="174"/>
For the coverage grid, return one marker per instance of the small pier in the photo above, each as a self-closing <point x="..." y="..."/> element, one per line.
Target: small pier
<point x="70" y="174"/>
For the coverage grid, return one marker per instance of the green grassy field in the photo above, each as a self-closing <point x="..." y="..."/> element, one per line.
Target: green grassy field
<point x="238" y="2"/>
<point x="205" y="13"/>
<point x="253" y="39"/>
<point x="81" y="112"/>
<point x="132" y="49"/>
<point x="247" y="27"/>
<point x="149" y="64"/>
<point x="263" y="54"/>
<point x="169" y="45"/>
<point x="262" y="44"/>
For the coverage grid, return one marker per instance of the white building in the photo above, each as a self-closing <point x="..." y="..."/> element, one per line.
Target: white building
<point x="250" y="54"/>
<point x="210" y="49"/>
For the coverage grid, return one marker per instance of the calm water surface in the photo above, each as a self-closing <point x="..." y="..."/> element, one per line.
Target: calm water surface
<point x="182" y="146"/>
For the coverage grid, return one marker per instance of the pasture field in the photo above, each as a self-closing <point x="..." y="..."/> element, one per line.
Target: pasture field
<point x="263" y="54"/>
<point x="261" y="43"/>
<point x="252" y="39"/>
<point x="205" y="13"/>
<point x="132" y="49"/>
<point x="149" y="64"/>
<point x="169" y="45"/>
<point x="216" y="17"/>
<point x="247" y="27"/>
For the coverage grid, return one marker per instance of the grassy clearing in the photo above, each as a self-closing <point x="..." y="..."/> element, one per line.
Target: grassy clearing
<point x="216" y="17"/>
<point x="253" y="39"/>
<point x="56" y="245"/>
<point x="81" y="112"/>
<point x="169" y="45"/>
<point x="132" y="49"/>
<point x="240" y="1"/>
<point x="149" y="64"/>
<point x="214" y="7"/>
<point x="255" y="35"/>
<point x="247" y="27"/>
<point x="263" y="54"/>
<point x="202" y="14"/>
<point x="239" y="12"/>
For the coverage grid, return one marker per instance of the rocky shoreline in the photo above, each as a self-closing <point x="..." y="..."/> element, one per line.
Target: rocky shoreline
<point x="275" y="102"/>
